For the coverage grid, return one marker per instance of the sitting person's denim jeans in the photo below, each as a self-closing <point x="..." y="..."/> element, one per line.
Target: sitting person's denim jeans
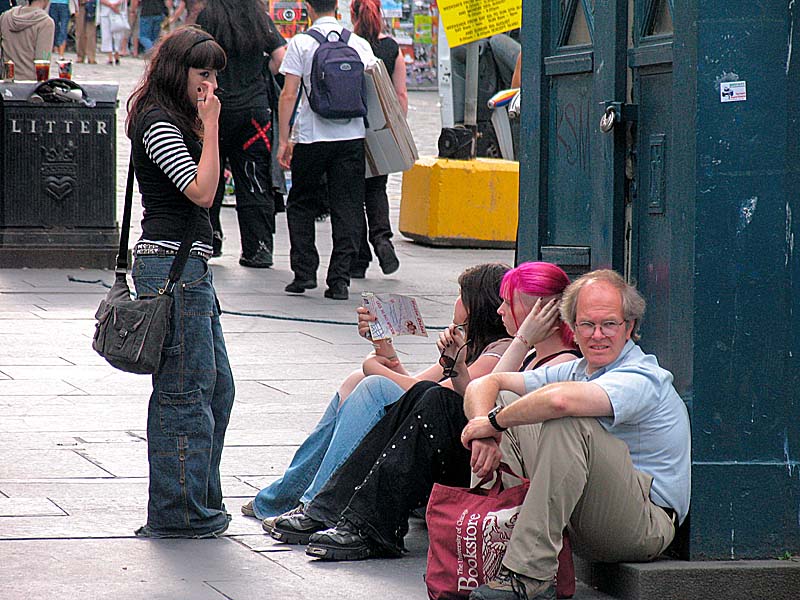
<point x="338" y="433"/>
<point x="189" y="408"/>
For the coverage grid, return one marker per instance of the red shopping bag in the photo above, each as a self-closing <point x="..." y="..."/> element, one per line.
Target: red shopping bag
<point x="468" y="530"/>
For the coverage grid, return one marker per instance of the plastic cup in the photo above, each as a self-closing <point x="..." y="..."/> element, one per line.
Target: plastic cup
<point x="65" y="68"/>
<point x="42" y="69"/>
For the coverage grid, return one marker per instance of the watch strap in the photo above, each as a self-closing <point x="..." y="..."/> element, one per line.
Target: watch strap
<point x="492" y="416"/>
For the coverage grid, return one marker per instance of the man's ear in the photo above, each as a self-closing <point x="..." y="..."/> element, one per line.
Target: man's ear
<point x="631" y="329"/>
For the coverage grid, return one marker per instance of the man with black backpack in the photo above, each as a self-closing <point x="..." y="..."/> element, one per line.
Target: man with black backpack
<point x="323" y="103"/>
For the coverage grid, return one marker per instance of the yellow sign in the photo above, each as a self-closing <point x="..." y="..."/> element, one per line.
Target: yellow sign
<point x="469" y="20"/>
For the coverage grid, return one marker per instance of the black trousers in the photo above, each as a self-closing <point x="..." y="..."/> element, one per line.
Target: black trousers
<point x="245" y="142"/>
<point x="376" y="204"/>
<point x="416" y="444"/>
<point x="343" y="165"/>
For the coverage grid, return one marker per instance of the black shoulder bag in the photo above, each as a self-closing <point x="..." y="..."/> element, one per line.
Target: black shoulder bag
<point x="130" y="333"/>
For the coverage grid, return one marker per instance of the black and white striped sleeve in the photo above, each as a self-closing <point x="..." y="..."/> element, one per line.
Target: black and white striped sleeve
<point x="164" y="144"/>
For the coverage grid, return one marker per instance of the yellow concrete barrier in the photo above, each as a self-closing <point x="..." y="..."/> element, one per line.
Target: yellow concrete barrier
<point x="470" y="203"/>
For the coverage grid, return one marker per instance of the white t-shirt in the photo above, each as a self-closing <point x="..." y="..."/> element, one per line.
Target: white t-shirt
<point x="309" y="126"/>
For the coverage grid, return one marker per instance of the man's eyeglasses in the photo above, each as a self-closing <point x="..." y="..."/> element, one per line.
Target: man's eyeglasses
<point x="607" y="328"/>
<point x="448" y="363"/>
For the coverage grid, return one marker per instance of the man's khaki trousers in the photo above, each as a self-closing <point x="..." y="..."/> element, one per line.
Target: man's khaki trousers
<point x="582" y="478"/>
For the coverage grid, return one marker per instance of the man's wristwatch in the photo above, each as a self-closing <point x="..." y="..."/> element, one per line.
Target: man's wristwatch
<point x="492" y="416"/>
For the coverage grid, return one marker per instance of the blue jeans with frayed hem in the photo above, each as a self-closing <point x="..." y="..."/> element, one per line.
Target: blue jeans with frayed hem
<point x="189" y="408"/>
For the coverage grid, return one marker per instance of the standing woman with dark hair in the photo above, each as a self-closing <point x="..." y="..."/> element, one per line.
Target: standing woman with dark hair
<point x="172" y="124"/>
<point x="253" y="45"/>
<point x="368" y="23"/>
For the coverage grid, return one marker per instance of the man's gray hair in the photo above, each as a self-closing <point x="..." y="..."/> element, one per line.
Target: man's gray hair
<point x="633" y="304"/>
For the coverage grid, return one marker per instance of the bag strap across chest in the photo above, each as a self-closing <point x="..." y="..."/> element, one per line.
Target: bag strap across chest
<point x="178" y="263"/>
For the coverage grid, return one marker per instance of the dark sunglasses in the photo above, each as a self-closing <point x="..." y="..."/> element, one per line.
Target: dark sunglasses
<point x="448" y="363"/>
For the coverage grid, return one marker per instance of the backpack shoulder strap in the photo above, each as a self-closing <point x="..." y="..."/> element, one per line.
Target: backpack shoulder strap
<point x="344" y="36"/>
<point x="317" y="35"/>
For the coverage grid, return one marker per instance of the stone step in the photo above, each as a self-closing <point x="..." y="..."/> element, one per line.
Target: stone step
<point x="683" y="580"/>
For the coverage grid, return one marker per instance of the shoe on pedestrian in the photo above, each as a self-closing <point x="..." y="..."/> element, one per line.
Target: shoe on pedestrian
<point x="337" y="291"/>
<point x="247" y="509"/>
<point x="342" y="542"/>
<point x="216" y="244"/>
<point x="387" y="258"/>
<point x="358" y="272"/>
<point x="508" y="585"/>
<point x="268" y="524"/>
<point x="295" y="527"/>
<point x="262" y="259"/>
<point x="298" y="286"/>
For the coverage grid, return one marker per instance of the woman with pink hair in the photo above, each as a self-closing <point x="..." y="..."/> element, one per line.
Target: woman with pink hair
<point x="531" y="296"/>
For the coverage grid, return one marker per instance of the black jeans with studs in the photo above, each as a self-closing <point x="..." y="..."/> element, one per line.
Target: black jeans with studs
<point x="391" y="473"/>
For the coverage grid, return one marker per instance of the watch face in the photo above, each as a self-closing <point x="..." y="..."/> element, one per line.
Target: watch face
<point x="493" y="418"/>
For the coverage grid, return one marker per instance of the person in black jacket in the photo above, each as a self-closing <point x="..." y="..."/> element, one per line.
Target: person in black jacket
<point x="254" y="48"/>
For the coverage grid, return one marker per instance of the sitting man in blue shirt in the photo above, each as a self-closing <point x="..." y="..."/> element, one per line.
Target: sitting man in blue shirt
<point x="605" y="441"/>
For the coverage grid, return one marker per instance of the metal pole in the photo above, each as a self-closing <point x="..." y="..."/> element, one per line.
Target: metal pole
<point x="471" y="94"/>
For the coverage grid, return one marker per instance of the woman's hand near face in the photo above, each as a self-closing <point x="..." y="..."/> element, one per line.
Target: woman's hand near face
<point x="208" y="105"/>
<point x="202" y="190"/>
<point x="450" y="342"/>
<point x="541" y="322"/>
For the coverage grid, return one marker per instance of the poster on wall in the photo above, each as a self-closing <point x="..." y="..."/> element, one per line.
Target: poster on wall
<point x="423" y="29"/>
<point x="392" y="8"/>
<point x="290" y="17"/>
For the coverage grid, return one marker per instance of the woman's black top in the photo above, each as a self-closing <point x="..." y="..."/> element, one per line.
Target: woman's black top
<point x="245" y="81"/>
<point x="167" y="210"/>
<point x="387" y="49"/>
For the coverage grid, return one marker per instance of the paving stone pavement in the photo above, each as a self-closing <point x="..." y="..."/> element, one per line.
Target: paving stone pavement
<point x="73" y="475"/>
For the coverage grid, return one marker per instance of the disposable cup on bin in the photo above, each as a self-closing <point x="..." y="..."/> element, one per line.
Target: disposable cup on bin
<point x="65" y="69"/>
<point x="42" y="69"/>
<point x="8" y="70"/>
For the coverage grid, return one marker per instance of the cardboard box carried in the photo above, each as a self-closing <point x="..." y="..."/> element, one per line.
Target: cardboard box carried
<point x="390" y="147"/>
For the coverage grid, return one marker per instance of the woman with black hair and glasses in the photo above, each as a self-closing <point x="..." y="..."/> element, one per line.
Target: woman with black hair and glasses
<point x="255" y="49"/>
<point x="172" y="123"/>
<point x="475" y="342"/>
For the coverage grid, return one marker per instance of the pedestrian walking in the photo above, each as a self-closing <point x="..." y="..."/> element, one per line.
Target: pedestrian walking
<point x="368" y="23"/>
<point x="110" y="42"/>
<point x="59" y="12"/>
<point x="86" y="31"/>
<point x="255" y="49"/>
<point x="151" y="14"/>
<point x="329" y="146"/>
<point x="173" y="126"/>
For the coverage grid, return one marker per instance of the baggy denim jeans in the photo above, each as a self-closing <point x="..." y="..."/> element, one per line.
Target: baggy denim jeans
<point x="336" y="436"/>
<point x="189" y="408"/>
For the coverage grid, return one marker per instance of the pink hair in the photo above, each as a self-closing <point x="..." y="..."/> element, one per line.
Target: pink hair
<point x="536" y="279"/>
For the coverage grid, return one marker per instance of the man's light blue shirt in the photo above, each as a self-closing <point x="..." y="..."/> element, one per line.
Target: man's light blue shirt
<point x="649" y="416"/>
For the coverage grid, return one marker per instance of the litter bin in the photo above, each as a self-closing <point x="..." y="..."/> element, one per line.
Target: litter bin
<point x="58" y="181"/>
